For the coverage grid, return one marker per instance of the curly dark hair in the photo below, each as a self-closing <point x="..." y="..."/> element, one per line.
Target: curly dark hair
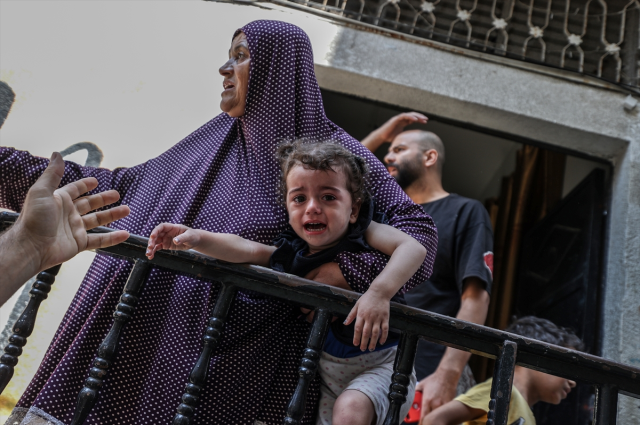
<point x="325" y="156"/>
<point x="546" y="331"/>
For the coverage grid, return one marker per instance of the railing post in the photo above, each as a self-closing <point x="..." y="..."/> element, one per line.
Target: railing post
<point x="308" y="366"/>
<point x="606" y="411"/>
<point x="502" y="383"/>
<point x="198" y="375"/>
<point x="402" y="370"/>
<point x="106" y="352"/>
<point x="25" y="324"/>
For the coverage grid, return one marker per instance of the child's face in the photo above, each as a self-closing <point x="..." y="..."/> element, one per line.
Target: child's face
<point x="551" y="389"/>
<point x="320" y="206"/>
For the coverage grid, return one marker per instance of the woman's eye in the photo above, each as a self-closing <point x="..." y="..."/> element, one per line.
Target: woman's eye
<point x="298" y="199"/>
<point x="329" y="197"/>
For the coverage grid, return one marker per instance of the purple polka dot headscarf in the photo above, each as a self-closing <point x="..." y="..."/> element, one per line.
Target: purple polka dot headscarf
<point x="221" y="178"/>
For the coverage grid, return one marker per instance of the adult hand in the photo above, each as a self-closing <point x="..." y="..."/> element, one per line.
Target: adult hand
<point x="437" y="389"/>
<point x="52" y="227"/>
<point x="55" y="221"/>
<point x="330" y="274"/>
<point x="390" y="129"/>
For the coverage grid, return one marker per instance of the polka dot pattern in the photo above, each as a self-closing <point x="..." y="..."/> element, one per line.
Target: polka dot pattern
<point x="221" y="178"/>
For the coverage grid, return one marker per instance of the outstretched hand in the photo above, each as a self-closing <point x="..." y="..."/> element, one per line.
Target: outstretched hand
<point x="371" y="314"/>
<point x="54" y="222"/>
<point x="176" y="237"/>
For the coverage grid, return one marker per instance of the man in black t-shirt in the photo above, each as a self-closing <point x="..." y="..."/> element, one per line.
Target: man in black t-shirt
<point x="463" y="270"/>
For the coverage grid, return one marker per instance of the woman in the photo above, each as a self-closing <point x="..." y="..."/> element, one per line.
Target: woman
<point x="221" y="178"/>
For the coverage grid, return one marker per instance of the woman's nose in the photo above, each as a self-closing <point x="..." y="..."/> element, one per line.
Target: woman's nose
<point x="226" y="69"/>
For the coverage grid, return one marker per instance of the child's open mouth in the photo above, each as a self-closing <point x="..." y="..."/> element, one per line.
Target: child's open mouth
<point x="315" y="227"/>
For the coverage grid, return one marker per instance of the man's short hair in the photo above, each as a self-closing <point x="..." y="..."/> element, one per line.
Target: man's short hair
<point x="427" y="140"/>
<point x="544" y="330"/>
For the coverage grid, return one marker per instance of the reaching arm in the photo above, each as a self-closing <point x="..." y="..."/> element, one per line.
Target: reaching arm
<point x="371" y="311"/>
<point x="440" y="387"/>
<point x="19" y="170"/>
<point x="53" y="227"/>
<point x="223" y="246"/>
<point x="389" y="130"/>
<point x="452" y="413"/>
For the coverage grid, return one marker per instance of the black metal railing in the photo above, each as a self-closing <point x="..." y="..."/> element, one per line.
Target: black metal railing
<point x="598" y="38"/>
<point x="608" y="377"/>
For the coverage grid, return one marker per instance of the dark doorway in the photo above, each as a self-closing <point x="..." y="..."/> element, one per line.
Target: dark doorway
<point x="559" y="279"/>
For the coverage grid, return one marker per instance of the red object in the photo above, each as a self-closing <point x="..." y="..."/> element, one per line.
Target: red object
<point x="488" y="261"/>
<point x="414" y="413"/>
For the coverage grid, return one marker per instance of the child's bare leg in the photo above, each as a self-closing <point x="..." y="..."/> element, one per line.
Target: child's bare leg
<point x="353" y="407"/>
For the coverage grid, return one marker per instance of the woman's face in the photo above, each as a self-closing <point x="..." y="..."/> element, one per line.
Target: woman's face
<point x="236" y="77"/>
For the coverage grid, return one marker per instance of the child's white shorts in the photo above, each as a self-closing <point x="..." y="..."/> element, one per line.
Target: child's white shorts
<point x="369" y="373"/>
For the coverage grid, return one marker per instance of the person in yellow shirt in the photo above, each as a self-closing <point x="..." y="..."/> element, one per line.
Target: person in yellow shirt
<point x="529" y="386"/>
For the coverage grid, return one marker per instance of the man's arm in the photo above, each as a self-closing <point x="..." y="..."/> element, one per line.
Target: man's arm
<point x="389" y="130"/>
<point x="52" y="227"/>
<point x="440" y="387"/>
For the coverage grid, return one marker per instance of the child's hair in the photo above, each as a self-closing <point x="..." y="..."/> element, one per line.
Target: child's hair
<point x="325" y="156"/>
<point x="546" y="331"/>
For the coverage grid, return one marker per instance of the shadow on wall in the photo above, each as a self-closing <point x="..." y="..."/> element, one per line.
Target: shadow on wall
<point x="7" y="96"/>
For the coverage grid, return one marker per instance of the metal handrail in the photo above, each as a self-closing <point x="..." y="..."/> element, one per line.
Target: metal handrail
<point x="610" y="378"/>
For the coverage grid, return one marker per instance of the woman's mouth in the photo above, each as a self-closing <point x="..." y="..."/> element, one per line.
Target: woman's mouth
<point x="227" y="85"/>
<point x="315" y="227"/>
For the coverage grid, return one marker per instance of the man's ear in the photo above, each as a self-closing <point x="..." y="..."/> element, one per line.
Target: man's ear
<point x="355" y="210"/>
<point x="430" y="158"/>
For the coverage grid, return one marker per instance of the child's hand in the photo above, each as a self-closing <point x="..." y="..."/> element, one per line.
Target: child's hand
<point x="172" y="236"/>
<point x="371" y="313"/>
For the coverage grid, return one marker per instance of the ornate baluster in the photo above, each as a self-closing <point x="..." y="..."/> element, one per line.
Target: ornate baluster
<point x="198" y="375"/>
<point x="308" y="366"/>
<point x="502" y="382"/>
<point x="25" y="324"/>
<point x="403" y="368"/>
<point x="107" y="351"/>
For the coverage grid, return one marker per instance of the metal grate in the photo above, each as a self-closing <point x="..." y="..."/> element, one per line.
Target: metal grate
<point x="593" y="37"/>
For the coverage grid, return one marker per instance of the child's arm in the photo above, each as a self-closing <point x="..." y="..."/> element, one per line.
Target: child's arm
<point x="372" y="309"/>
<point x="452" y="413"/>
<point x="223" y="246"/>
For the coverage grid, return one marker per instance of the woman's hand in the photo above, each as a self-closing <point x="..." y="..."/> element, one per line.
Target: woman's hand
<point x="371" y="314"/>
<point x="175" y="237"/>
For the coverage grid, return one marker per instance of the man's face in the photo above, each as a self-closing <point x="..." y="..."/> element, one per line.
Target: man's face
<point x="404" y="160"/>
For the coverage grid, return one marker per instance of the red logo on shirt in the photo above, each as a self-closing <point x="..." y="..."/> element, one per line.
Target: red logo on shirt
<point x="488" y="261"/>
